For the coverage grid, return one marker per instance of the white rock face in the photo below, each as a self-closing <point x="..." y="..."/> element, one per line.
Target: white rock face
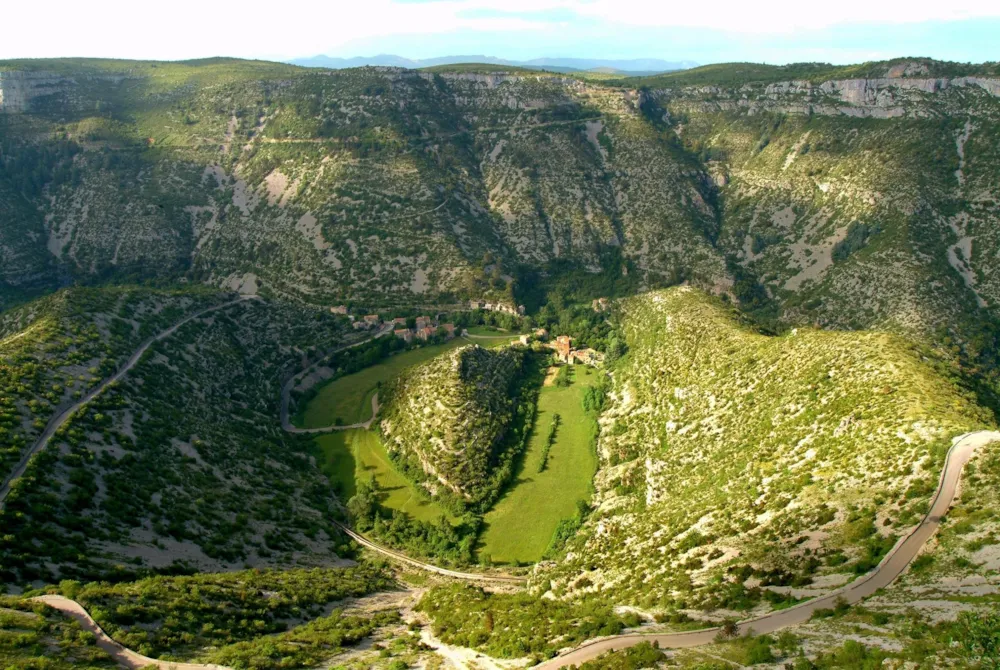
<point x="868" y="98"/>
<point x="18" y="89"/>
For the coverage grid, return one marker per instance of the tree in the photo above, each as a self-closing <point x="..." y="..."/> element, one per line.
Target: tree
<point x="363" y="505"/>
<point x="729" y="629"/>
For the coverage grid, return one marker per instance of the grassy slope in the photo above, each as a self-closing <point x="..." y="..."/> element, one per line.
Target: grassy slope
<point x="350" y="455"/>
<point x="915" y="617"/>
<point x="795" y="457"/>
<point x="521" y="524"/>
<point x="349" y="398"/>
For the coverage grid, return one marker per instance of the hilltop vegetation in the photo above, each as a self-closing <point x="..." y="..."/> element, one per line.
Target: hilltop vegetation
<point x="178" y="617"/>
<point x="445" y="420"/>
<point x="800" y="458"/>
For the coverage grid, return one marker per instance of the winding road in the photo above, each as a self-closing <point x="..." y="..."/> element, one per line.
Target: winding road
<point x="286" y="391"/>
<point x="56" y="422"/>
<point x="403" y="558"/>
<point x="893" y="565"/>
<point x="124" y="656"/>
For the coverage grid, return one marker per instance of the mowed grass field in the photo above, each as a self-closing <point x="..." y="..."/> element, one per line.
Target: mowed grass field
<point x="350" y="398"/>
<point x="489" y="330"/>
<point x="349" y="455"/>
<point x="521" y="524"/>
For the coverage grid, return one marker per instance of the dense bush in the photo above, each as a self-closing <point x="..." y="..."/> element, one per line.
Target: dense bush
<point x="180" y="615"/>
<point x="515" y="625"/>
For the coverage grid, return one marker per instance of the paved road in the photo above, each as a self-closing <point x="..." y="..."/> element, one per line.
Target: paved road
<point x="125" y="657"/>
<point x="286" y="390"/>
<point x="56" y="422"/>
<point x="397" y="556"/>
<point x="893" y="565"/>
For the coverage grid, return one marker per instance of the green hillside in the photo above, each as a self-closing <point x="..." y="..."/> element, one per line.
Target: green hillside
<point x="800" y="283"/>
<point x="444" y="421"/>
<point x="182" y="464"/>
<point x="391" y="186"/>
<point x="797" y="457"/>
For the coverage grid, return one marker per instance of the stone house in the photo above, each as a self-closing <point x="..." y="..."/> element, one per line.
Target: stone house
<point x="563" y="346"/>
<point x="404" y="334"/>
<point x="423" y="322"/>
<point x="372" y="319"/>
<point x="339" y="309"/>
<point x="425" y="333"/>
<point x="587" y="356"/>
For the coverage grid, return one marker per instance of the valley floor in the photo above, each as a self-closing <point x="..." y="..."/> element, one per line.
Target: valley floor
<point x="521" y="525"/>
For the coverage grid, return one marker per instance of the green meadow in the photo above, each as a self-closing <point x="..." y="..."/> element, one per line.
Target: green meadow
<point x="349" y="398"/>
<point x="521" y="524"/>
<point x="351" y="455"/>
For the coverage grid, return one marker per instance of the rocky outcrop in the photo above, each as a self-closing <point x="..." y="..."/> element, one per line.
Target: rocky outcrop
<point x="885" y="97"/>
<point x="18" y="89"/>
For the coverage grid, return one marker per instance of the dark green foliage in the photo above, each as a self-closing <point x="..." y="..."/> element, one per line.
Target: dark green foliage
<point x="33" y="636"/>
<point x="522" y="624"/>
<point x="857" y="237"/>
<point x="642" y="655"/>
<point x="852" y="655"/>
<point x="979" y="637"/>
<point x="302" y="646"/>
<point x="441" y="540"/>
<point x="180" y="615"/>
<point x="549" y="439"/>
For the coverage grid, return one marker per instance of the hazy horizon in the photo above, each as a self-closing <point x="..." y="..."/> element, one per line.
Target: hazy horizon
<point x="779" y="33"/>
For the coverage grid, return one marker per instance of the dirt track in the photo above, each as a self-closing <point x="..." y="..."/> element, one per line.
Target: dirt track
<point x="286" y="392"/>
<point x="125" y="657"/>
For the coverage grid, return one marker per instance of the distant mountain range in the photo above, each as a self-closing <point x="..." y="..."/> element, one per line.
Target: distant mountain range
<point x="636" y="66"/>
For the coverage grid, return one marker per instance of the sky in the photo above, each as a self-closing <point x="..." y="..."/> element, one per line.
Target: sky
<point x="776" y="31"/>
